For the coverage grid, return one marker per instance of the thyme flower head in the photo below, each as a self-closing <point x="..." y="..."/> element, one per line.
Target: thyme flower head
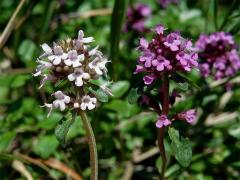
<point x="74" y="68"/>
<point x="218" y="55"/>
<point x="165" y="53"/>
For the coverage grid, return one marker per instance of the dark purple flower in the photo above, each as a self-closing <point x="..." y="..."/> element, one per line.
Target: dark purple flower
<point x="162" y="121"/>
<point x="165" y="3"/>
<point x="188" y="116"/>
<point x="165" y="53"/>
<point x="136" y="17"/>
<point x="218" y="54"/>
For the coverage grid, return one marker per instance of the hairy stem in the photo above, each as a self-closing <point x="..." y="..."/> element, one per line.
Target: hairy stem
<point x="92" y="146"/>
<point x="165" y="110"/>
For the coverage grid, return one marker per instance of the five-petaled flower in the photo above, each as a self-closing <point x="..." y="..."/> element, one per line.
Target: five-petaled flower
<point x="59" y="103"/>
<point x="78" y="76"/>
<point x="74" y="59"/>
<point x="58" y="55"/>
<point x="88" y="102"/>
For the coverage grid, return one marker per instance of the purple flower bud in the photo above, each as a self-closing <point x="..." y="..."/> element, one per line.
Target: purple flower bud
<point x="159" y="29"/>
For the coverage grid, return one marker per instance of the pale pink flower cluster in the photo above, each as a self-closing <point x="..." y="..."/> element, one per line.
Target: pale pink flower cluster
<point x="71" y="60"/>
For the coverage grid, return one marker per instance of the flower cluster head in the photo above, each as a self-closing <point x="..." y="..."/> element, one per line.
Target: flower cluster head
<point x="73" y="63"/>
<point x="165" y="53"/>
<point x="165" y="3"/>
<point x="136" y="17"/>
<point x="218" y="55"/>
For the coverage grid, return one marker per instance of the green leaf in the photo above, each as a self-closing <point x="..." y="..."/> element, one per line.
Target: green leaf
<point x="120" y="88"/>
<point x="183" y="152"/>
<point x="100" y="95"/>
<point x="123" y="108"/>
<point x="184" y="78"/>
<point x="26" y="50"/>
<point x="116" y="27"/>
<point x="189" y="15"/>
<point x="182" y="86"/>
<point x="62" y="128"/>
<point x="19" y="81"/>
<point x="236" y="28"/>
<point x="133" y="96"/>
<point x="234" y="131"/>
<point x="49" y="123"/>
<point x="173" y="134"/>
<point x="6" y="139"/>
<point x="181" y="148"/>
<point x="232" y="6"/>
<point x="6" y="80"/>
<point x="45" y="146"/>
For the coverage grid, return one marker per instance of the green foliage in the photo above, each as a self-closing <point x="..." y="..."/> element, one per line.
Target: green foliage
<point x="26" y="50"/>
<point x="45" y="146"/>
<point x="116" y="27"/>
<point x="63" y="127"/>
<point x="100" y="95"/>
<point x="133" y="96"/>
<point x="181" y="147"/>
<point x="6" y="139"/>
<point x="120" y="88"/>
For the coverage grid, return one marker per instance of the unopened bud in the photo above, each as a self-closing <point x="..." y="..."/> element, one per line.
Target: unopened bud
<point x="66" y="68"/>
<point x="76" y="105"/>
<point x="59" y="69"/>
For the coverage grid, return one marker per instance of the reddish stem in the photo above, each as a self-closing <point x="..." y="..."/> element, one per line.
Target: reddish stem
<point x="165" y="110"/>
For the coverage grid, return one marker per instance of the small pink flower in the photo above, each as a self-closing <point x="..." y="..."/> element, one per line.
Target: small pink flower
<point x="188" y="116"/>
<point x="163" y="121"/>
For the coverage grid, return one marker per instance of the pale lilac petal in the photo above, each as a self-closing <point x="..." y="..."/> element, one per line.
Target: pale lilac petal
<point x="71" y="77"/>
<point x="57" y="60"/>
<point x="79" y="81"/>
<point x="46" y="48"/>
<point x="88" y="40"/>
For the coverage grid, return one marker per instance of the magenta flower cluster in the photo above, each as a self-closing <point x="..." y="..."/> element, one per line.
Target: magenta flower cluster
<point x="218" y="54"/>
<point x="136" y="17"/>
<point x="165" y="53"/>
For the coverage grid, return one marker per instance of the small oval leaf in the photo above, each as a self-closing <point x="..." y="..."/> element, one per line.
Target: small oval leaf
<point x="62" y="128"/>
